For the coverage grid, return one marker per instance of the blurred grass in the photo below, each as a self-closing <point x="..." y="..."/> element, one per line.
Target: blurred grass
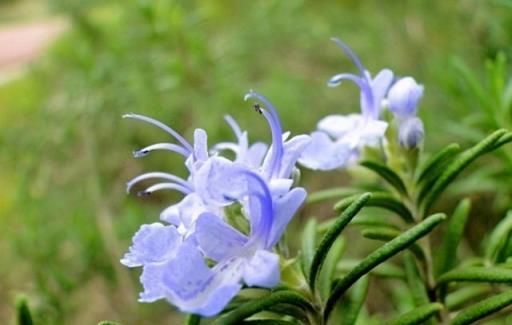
<point x="66" y="153"/>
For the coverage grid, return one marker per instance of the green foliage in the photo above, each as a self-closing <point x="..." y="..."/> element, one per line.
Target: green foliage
<point x="23" y="316"/>
<point x="332" y="234"/>
<point x="388" y="174"/>
<point x="483" y="308"/>
<point x="250" y="308"/>
<point x="418" y="315"/>
<point x="380" y="255"/>
<point x="381" y="200"/>
<point x="454" y="232"/>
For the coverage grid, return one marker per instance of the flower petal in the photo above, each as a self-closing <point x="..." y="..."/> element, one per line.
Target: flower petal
<point x="262" y="270"/>
<point x="200" y="145"/>
<point x="339" y="125"/>
<point x="293" y="148"/>
<point x="216" y="238"/>
<point x="218" y="182"/>
<point x="380" y="84"/>
<point x="285" y="209"/>
<point x="152" y="243"/>
<point x="186" y="211"/>
<point x="322" y="153"/>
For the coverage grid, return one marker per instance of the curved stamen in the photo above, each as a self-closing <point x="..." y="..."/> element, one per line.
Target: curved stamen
<point x="162" y="126"/>
<point x="272" y="117"/>
<point x="161" y="146"/>
<point x="164" y="186"/>
<point x="348" y="51"/>
<point x="166" y="176"/>
<point x="260" y="230"/>
<point x="367" y="107"/>
<point x="337" y="79"/>
<point x="234" y="125"/>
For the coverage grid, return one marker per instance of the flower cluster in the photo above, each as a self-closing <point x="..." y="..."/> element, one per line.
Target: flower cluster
<point x="339" y="138"/>
<point x="195" y="258"/>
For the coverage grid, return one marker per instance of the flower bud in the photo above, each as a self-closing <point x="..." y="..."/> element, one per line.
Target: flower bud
<point x="403" y="97"/>
<point x="410" y="132"/>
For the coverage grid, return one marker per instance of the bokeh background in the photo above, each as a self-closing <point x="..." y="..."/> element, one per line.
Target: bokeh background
<point x="65" y="152"/>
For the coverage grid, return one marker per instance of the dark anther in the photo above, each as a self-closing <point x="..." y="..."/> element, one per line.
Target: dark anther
<point x="257" y="108"/>
<point x="143" y="193"/>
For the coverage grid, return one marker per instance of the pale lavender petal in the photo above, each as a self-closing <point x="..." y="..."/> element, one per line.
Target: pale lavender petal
<point x="152" y="243"/>
<point x="185" y="212"/>
<point x="218" y="183"/>
<point x="380" y="84"/>
<point x="216" y="238"/>
<point x="194" y="288"/>
<point x="293" y="148"/>
<point x="200" y="145"/>
<point x="255" y="154"/>
<point x="338" y="126"/>
<point x="151" y="280"/>
<point x="280" y="186"/>
<point x="370" y="133"/>
<point x="322" y="153"/>
<point x="262" y="270"/>
<point x="285" y="209"/>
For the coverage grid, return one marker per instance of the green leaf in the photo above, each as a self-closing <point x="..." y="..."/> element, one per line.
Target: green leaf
<point x="454" y="232"/>
<point x="506" y="138"/>
<point x="388" y="174"/>
<point x="477" y="274"/>
<point x="418" y="315"/>
<point x="434" y="166"/>
<point x="255" y="306"/>
<point x="326" y="276"/>
<point x="459" y="298"/>
<point x="267" y="322"/>
<point x="356" y="296"/>
<point x="333" y="193"/>
<point x="380" y="200"/>
<point x="386" y="234"/>
<point x="415" y="282"/>
<point x="308" y="245"/>
<point x="457" y="166"/>
<point x="23" y="315"/>
<point x="484" y="308"/>
<point x="380" y="255"/>
<point x="383" y="270"/>
<point x="193" y="319"/>
<point x="331" y="235"/>
<point x="498" y="240"/>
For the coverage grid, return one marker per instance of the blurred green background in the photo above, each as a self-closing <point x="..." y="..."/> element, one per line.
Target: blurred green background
<point x="65" y="152"/>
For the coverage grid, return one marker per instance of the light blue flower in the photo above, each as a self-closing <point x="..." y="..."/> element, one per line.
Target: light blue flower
<point x="176" y="269"/>
<point x="339" y="138"/>
<point x="259" y="178"/>
<point x="403" y="99"/>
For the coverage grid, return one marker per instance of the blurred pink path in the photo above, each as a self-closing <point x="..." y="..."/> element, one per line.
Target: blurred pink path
<point x="21" y="43"/>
